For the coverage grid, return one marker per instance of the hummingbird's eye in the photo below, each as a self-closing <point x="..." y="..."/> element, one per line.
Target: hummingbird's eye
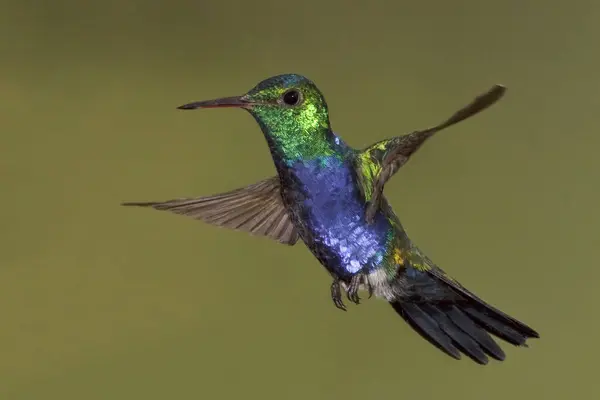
<point x="292" y="97"/>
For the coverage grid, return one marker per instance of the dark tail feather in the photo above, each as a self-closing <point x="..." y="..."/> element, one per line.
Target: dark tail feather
<point x="479" y="335"/>
<point x="463" y="327"/>
<point x="426" y="326"/>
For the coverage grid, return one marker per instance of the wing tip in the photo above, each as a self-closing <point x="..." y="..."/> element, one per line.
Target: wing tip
<point x="138" y="203"/>
<point x="499" y="90"/>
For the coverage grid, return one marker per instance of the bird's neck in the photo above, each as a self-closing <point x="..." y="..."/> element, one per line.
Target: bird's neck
<point x="291" y="146"/>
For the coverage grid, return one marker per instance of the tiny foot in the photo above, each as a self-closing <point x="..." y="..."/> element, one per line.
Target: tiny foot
<point x="353" y="288"/>
<point x="336" y="295"/>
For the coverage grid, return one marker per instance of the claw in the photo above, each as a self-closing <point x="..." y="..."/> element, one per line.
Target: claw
<point x="336" y="295"/>
<point x="352" y="292"/>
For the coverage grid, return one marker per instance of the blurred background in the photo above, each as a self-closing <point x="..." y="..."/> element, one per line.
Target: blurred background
<point x="98" y="301"/>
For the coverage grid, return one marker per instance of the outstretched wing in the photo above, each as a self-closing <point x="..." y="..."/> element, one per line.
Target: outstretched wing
<point x="257" y="209"/>
<point x="379" y="162"/>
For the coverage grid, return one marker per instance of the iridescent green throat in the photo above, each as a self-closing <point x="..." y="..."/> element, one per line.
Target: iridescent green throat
<point x="293" y="137"/>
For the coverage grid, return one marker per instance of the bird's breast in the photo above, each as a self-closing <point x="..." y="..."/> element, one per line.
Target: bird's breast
<point x="329" y="212"/>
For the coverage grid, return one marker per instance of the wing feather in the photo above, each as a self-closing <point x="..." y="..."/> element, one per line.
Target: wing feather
<point x="257" y="209"/>
<point x="383" y="159"/>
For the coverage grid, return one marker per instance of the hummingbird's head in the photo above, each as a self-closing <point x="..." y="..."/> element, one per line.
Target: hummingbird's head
<point x="290" y="110"/>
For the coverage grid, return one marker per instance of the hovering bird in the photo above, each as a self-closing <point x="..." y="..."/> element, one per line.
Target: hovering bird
<point x="330" y="196"/>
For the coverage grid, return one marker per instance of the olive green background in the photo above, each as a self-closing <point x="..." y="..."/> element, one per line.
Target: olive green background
<point x="98" y="301"/>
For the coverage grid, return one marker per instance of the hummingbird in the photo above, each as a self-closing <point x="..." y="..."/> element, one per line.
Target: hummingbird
<point x="330" y="196"/>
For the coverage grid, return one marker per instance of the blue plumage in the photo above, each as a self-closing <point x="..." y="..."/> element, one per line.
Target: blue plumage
<point x="332" y="216"/>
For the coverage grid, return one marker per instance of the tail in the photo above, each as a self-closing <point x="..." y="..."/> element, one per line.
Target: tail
<point x="464" y="325"/>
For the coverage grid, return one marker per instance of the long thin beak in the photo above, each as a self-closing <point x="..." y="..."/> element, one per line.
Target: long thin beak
<point x="234" y="101"/>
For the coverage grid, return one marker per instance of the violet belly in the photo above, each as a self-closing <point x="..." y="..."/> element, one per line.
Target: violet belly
<point x="332" y="210"/>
